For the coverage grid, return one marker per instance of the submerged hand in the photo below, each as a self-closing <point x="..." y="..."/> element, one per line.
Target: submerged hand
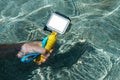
<point x="32" y="47"/>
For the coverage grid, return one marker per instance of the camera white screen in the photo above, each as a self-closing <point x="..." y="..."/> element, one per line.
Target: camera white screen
<point x="58" y="23"/>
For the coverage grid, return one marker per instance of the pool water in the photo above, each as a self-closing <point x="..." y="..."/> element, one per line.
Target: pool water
<point x="89" y="50"/>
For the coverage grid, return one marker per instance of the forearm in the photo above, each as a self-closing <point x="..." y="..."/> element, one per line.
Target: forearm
<point x="9" y="50"/>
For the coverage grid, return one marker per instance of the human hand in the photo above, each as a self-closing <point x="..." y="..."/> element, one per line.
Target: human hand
<point x="31" y="47"/>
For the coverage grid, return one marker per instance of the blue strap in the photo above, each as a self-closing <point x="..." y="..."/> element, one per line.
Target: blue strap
<point x="44" y="41"/>
<point x="30" y="57"/>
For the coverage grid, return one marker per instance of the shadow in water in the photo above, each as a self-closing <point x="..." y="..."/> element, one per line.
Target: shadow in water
<point x="15" y="70"/>
<point x="68" y="58"/>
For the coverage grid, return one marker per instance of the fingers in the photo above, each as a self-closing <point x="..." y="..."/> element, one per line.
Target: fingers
<point x="48" y="53"/>
<point x="51" y="51"/>
<point x="20" y="54"/>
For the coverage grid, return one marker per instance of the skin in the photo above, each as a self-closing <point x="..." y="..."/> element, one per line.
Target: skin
<point x="30" y="47"/>
<point x="7" y="50"/>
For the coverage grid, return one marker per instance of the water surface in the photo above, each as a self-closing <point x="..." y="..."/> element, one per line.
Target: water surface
<point x="90" y="50"/>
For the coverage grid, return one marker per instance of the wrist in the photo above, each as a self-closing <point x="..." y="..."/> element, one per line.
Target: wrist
<point x="18" y="46"/>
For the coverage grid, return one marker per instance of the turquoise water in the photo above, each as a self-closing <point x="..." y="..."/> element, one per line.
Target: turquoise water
<point x="90" y="50"/>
